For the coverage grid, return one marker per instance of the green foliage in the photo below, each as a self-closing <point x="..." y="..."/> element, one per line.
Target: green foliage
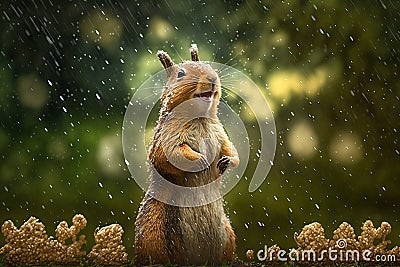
<point x="328" y="68"/>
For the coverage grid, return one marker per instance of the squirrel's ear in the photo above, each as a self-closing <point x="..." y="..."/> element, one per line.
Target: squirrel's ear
<point x="194" y="52"/>
<point x="166" y="61"/>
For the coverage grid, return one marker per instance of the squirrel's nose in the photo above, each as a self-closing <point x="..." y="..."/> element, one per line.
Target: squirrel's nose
<point x="212" y="80"/>
<point x="207" y="82"/>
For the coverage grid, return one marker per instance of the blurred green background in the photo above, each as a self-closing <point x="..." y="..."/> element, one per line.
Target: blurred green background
<point x="329" y="69"/>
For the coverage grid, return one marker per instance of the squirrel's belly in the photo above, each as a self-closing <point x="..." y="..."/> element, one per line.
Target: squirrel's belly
<point x="204" y="235"/>
<point x="180" y="235"/>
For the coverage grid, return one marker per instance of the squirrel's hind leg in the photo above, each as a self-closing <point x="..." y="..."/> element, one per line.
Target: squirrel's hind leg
<point x="150" y="241"/>
<point x="230" y="247"/>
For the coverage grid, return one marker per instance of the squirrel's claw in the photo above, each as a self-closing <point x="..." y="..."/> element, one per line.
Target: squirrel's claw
<point x="223" y="164"/>
<point x="200" y="164"/>
<point x="203" y="163"/>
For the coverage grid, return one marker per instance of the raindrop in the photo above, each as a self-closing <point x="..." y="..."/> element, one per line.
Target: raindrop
<point x="110" y="196"/>
<point x="100" y="184"/>
<point x="49" y="40"/>
<point x="383" y="4"/>
<point x="97" y="96"/>
<point x="317" y="206"/>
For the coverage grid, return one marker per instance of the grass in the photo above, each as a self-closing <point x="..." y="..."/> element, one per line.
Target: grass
<point x="240" y="263"/>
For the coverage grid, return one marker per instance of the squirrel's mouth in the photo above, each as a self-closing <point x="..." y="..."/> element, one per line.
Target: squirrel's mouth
<point x="207" y="96"/>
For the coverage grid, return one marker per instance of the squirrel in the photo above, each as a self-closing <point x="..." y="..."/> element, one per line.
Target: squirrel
<point x="189" y="149"/>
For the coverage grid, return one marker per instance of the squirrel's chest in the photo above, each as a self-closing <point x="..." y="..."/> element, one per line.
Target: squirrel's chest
<point x="197" y="134"/>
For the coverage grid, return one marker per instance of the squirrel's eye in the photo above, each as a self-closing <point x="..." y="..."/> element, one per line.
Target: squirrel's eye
<point x="181" y="73"/>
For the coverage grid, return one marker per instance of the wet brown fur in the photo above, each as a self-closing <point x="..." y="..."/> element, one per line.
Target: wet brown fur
<point x="185" y="235"/>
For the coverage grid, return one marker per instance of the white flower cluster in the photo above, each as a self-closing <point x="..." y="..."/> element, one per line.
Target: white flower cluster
<point x="30" y="244"/>
<point x="109" y="249"/>
<point x="312" y="239"/>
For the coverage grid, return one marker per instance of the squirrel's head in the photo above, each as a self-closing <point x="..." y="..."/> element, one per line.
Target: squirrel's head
<point x="190" y="80"/>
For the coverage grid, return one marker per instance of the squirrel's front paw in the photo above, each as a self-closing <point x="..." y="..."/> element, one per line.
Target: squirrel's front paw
<point x="223" y="164"/>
